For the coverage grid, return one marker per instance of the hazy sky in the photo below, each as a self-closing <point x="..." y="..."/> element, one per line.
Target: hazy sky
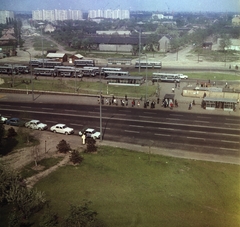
<point x="148" y="5"/>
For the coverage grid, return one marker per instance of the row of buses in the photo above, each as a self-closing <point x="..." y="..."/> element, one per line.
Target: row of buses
<point x="91" y="63"/>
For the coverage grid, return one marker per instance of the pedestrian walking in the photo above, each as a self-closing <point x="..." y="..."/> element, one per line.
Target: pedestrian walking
<point x="83" y="139"/>
<point x="138" y="104"/>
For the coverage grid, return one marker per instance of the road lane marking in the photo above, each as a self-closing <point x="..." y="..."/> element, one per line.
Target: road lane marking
<point x="201" y="121"/>
<point x="158" y="134"/>
<point x="131" y="131"/>
<point x="146" y="116"/>
<point x="204" y="117"/>
<point x="175" y="119"/>
<point x="227" y="141"/>
<point x="196" y="138"/>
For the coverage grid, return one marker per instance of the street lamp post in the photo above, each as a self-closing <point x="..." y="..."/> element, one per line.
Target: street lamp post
<point x="42" y="40"/>
<point x="146" y="78"/>
<point x="100" y="103"/>
<point x="31" y="74"/>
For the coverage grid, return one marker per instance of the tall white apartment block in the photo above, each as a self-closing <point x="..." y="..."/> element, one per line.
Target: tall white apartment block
<point x="5" y="14"/>
<point x="108" y="13"/>
<point x="54" y="15"/>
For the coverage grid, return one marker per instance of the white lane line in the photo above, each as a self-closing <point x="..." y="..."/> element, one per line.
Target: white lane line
<point x="131" y="131"/>
<point x="145" y="116"/>
<point x="227" y="141"/>
<point x="158" y="134"/>
<point x="138" y="126"/>
<point x="234" y="124"/>
<point x="196" y="138"/>
<point x="202" y="121"/>
<point x="197" y="131"/>
<point x="179" y="115"/>
<point x="230" y="149"/>
<point x="175" y="119"/>
<point x="128" y="111"/>
<point x="204" y="117"/>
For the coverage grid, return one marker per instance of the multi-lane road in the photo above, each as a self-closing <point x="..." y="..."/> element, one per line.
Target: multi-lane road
<point x="212" y="134"/>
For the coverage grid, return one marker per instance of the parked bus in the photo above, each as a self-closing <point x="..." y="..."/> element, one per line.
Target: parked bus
<point x="82" y="63"/>
<point x="116" y="73"/>
<point x="6" y="69"/>
<point x="110" y="69"/>
<point x="119" y="61"/>
<point x="44" y="72"/>
<point x="18" y="69"/>
<point x="166" y="77"/>
<point x="67" y="71"/>
<point x="125" y="80"/>
<point x="148" y="64"/>
<point x="50" y="64"/>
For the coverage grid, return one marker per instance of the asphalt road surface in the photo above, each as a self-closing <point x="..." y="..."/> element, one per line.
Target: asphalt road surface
<point x="159" y="128"/>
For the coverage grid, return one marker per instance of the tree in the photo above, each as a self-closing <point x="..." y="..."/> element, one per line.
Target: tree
<point x="75" y="157"/>
<point x="63" y="147"/>
<point x="81" y="216"/>
<point x="225" y="42"/>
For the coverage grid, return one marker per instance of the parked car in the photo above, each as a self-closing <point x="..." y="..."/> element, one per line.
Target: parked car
<point x="15" y="122"/>
<point x="3" y="119"/>
<point x="183" y="76"/>
<point x="35" y="124"/>
<point x="90" y="132"/>
<point x="62" y="128"/>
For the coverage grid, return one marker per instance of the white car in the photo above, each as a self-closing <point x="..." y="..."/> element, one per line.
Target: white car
<point x="90" y="132"/>
<point x="2" y="119"/>
<point x="183" y="76"/>
<point x="35" y="124"/>
<point x="62" y="128"/>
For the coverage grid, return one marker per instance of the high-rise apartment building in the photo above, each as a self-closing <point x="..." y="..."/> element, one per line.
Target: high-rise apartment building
<point x="113" y="14"/>
<point x="5" y="15"/>
<point x="54" y="15"/>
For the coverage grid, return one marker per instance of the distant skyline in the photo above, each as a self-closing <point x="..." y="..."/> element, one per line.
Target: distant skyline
<point x="132" y="5"/>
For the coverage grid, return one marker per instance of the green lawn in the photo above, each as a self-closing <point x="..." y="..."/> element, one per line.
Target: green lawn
<point x="128" y="189"/>
<point x="93" y="87"/>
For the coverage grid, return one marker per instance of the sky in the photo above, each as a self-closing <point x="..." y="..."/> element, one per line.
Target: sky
<point x="132" y="5"/>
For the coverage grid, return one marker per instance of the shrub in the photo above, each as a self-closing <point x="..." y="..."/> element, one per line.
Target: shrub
<point x="63" y="147"/>
<point x="11" y="132"/>
<point x="91" y="145"/>
<point x="75" y="157"/>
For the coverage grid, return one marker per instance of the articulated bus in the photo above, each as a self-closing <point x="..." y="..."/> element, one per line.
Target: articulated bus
<point x="148" y="64"/>
<point x="166" y="77"/>
<point x="119" y="61"/>
<point x="82" y="63"/>
<point x="116" y="73"/>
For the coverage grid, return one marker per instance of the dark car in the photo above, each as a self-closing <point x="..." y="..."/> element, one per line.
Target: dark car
<point x="15" y="122"/>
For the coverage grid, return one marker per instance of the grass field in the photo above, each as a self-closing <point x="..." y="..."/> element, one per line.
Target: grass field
<point x="129" y="189"/>
<point x="93" y="86"/>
